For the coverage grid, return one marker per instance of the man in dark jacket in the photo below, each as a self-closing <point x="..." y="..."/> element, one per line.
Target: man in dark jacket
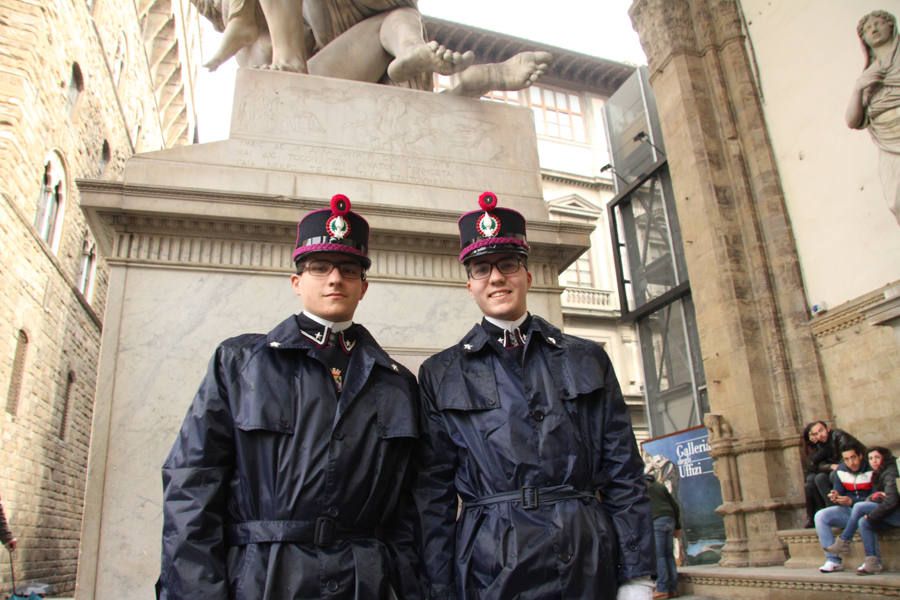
<point x="666" y="527"/>
<point x="290" y="472"/>
<point x="526" y="424"/>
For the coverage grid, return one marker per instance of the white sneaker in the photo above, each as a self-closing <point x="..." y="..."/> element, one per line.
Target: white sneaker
<point x="831" y="567"/>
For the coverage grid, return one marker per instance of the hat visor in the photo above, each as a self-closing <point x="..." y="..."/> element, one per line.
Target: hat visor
<point x="494" y="249"/>
<point x="302" y="253"/>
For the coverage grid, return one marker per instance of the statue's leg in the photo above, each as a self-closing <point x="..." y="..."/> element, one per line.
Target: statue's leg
<point x="285" y="21"/>
<point x="356" y="54"/>
<point x="402" y="36"/>
<point x="517" y="73"/>
<point x="241" y="30"/>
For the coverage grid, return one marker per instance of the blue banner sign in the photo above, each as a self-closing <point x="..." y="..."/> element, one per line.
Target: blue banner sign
<point x="681" y="461"/>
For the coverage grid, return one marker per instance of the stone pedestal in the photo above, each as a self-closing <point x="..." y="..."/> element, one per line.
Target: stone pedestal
<point x="199" y="241"/>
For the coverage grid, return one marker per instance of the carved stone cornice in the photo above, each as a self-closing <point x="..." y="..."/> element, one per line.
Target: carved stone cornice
<point x="759" y="506"/>
<point x="845" y="316"/>
<point x="671" y="27"/>
<point x="301" y="204"/>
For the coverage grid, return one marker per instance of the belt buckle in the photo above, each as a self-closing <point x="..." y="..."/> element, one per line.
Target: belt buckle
<point x="530" y="497"/>
<point x="324" y="534"/>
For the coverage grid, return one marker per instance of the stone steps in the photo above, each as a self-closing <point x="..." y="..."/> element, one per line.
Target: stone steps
<point x="806" y="552"/>
<point x="784" y="583"/>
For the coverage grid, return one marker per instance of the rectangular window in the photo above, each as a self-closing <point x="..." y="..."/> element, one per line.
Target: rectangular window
<point x="579" y="273"/>
<point x="557" y="113"/>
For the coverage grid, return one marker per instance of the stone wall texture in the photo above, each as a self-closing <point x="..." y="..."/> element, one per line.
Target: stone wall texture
<point x="137" y="63"/>
<point x="770" y="366"/>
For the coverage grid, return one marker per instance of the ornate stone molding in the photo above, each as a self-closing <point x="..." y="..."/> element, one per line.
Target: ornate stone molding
<point x="301" y="204"/>
<point x="758" y="506"/>
<point x="853" y="590"/>
<point x="844" y="317"/>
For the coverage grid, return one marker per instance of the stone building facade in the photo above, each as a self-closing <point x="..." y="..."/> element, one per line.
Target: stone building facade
<point x="83" y="85"/>
<point x="791" y="253"/>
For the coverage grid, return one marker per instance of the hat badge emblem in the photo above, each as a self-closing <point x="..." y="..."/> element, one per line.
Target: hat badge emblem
<point x="337" y="226"/>
<point x="488" y="225"/>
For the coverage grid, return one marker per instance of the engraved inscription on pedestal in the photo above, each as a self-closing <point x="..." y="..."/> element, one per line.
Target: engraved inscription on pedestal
<point x="375" y="132"/>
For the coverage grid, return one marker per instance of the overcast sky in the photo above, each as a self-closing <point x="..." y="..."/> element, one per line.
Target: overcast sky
<point x="596" y="27"/>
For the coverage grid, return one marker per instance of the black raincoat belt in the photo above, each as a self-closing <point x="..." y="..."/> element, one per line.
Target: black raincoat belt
<point x="532" y="497"/>
<point x="322" y="532"/>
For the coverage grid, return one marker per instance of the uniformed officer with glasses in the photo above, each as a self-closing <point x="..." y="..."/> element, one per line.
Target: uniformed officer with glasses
<point x="290" y="478"/>
<point x="527" y="425"/>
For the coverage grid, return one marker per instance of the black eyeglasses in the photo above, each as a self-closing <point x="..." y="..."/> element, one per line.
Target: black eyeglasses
<point x="506" y="266"/>
<point x="323" y="268"/>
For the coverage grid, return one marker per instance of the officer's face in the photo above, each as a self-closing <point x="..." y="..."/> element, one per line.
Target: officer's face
<point x="333" y="297"/>
<point x="500" y="296"/>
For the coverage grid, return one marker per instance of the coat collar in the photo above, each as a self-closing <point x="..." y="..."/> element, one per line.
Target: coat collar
<point x="477" y="337"/>
<point x="288" y="336"/>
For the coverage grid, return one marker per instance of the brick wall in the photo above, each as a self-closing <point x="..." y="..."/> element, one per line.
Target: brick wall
<point x="42" y="459"/>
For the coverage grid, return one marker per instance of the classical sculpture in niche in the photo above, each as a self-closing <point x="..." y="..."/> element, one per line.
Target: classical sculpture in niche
<point x="362" y="40"/>
<point x="875" y="102"/>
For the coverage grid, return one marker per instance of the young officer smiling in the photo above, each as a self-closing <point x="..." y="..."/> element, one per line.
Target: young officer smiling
<point x="526" y="424"/>
<point x="291" y="469"/>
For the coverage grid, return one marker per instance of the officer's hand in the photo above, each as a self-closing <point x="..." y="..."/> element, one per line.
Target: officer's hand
<point x="639" y="588"/>
<point x="11" y="544"/>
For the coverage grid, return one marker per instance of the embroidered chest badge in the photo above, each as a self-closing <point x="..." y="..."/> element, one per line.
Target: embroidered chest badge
<point x="336" y="373"/>
<point x="488" y="225"/>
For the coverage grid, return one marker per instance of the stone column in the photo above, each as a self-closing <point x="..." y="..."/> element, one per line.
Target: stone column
<point x="761" y="362"/>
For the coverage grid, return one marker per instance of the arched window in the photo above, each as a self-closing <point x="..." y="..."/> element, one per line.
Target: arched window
<point x="105" y="156"/>
<point x="51" y="201"/>
<point x="66" y="403"/>
<point x="118" y="66"/>
<point x="88" y="270"/>
<point x="76" y="86"/>
<point x="15" y="379"/>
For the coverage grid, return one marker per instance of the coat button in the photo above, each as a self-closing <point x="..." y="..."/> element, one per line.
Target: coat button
<point x="565" y="557"/>
<point x="332" y="586"/>
<point x="538" y="415"/>
<point x="633" y="547"/>
<point x="491" y="401"/>
<point x="338" y="435"/>
<point x="333" y="511"/>
<point x="284" y="424"/>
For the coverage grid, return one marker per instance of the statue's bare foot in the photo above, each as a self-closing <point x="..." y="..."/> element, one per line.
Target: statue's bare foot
<point x="517" y="73"/>
<point x="426" y="58"/>
<point x="238" y="33"/>
<point x="286" y="67"/>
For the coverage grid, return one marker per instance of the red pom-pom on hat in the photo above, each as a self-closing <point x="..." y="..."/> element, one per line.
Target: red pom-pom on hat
<point x="487" y="201"/>
<point x="340" y="205"/>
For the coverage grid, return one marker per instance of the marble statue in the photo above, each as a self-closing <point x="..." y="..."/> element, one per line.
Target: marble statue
<point x="361" y="40"/>
<point x="875" y="101"/>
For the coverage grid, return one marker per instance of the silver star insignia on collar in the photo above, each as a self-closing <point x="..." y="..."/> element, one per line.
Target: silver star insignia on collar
<point x="501" y="340"/>
<point x="394" y="367"/>
<point x="275" y="344"/>
<point x="551" y="340"/>
<point x="467" y="346"/>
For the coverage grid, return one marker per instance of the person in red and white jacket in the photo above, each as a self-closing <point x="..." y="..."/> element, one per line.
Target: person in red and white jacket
<point x="852" y="484"/>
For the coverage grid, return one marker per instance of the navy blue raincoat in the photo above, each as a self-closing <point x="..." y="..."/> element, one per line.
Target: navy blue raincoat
<point x="526" y="449"/>
<point x="276" y="490"/>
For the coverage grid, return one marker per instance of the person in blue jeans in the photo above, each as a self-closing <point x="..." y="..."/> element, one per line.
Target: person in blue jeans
<point x="852" y="485"/>
<point x="879" y="511"/>
<point x="666" y="527"/>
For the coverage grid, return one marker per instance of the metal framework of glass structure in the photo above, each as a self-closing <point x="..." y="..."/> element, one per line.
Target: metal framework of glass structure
<point x="654" y="289"/>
